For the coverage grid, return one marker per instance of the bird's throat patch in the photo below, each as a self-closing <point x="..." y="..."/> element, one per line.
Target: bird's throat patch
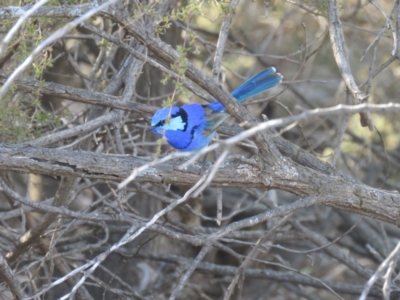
<point x="176" y="123"/>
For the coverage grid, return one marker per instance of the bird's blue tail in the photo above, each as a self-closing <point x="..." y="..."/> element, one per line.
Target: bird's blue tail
<point x="257" y="84"/>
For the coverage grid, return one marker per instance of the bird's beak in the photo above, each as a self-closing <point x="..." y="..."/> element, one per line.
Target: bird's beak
<point x="149" y="128"/>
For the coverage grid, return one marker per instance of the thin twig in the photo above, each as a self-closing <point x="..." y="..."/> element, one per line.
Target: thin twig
<point x="11" y="279"/>
<point x="223" y="35"/>
<point x="392" y="257"/>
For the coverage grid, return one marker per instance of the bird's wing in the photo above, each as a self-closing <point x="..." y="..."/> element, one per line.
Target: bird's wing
<point x="214" y="120"/>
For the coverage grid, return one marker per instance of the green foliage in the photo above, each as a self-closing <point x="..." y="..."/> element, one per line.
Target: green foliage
<point x="226" y="9"/>
<point x="162" y="25"/>
<point x="160" y="142"/>
<point x="22" y="118"/>
<point x="185" y="12"/>
<point x="30" y="35"/>
<point x="168" y="102"/>
<point x="104" y="44"/>
<point x="13" y="124"/>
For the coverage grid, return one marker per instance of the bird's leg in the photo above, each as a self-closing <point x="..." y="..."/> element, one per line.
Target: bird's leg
<point x="170" y="151"/>
<point x="203" y="164"/>
<point x="162" y="155"/>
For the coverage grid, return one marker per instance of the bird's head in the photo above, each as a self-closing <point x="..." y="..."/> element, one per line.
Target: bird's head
<point x="169" y="118"/>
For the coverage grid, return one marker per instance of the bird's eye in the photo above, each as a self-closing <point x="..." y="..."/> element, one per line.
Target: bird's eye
<point x="160" y="123"/>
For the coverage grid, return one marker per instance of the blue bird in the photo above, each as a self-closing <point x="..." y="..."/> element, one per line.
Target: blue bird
<point x="192" y="126"/>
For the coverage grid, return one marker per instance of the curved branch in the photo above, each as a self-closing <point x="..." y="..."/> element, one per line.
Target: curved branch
<point x="339" y="51"/>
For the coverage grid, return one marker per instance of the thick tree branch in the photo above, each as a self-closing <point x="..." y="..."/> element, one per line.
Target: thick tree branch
<point x="335" y="190"/>
<point x="79" y="95"/>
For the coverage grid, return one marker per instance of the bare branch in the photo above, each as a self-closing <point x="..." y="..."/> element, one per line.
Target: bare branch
<point x="339" y="51"/>
<point x="223" y="35"/>
<point x="380" y="271"/>
<point x="73" y="11"/>
<point x="80" y="95"/>
<point x="12" y="281"/>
